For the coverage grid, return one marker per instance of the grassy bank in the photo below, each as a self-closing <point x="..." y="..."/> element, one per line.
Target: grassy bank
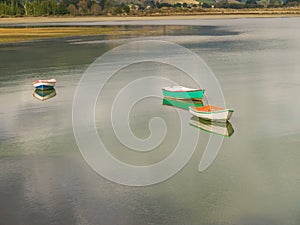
<point x="8" y="35"/>
<point x="28" y="34"/>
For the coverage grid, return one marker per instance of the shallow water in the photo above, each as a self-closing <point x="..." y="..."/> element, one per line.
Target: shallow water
<point x="253" y="180"/>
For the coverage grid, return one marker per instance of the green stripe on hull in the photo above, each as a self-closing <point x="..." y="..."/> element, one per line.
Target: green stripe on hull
<point x="184" y="95"/>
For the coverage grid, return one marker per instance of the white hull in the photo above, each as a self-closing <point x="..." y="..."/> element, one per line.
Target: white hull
<point x="179" y="88"/>
<point x="44" y="84"/>
<point x="223" y="115"/>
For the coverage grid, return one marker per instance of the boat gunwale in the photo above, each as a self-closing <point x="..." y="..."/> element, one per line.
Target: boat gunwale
<point x="211" y="112"/>
<point x="193" y="90"/>
<point x="44" y="81"/>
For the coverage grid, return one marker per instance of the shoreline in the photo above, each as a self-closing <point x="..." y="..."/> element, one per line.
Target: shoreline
<point x="70" y="19"/>
<point x="23" y="29"/>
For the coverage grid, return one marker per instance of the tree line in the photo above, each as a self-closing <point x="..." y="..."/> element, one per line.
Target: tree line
<point x="108" y="7"/>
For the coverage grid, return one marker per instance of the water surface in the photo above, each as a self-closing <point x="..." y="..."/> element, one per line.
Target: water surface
<point x="253" y="180"/>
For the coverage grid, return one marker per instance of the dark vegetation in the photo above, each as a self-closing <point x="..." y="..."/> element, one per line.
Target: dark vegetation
<point x="133" y="8"/>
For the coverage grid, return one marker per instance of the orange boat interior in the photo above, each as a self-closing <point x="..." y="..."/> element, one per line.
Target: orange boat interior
<point x="208" y="108"/>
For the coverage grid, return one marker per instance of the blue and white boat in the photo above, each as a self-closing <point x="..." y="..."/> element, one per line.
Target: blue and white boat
<point x="44" y="84"/>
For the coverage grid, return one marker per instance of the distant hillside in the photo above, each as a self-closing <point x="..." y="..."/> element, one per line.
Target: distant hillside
<point x="142" y="7"/>
<point x="144" y="2"/>
<point x="180" y="1"/>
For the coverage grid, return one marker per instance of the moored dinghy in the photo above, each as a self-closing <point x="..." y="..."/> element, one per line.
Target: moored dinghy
<point x="210" y="112"/>
<point x="44" y="84"/>
<point x="224" y="129"/>
<point x="180" y="92"/>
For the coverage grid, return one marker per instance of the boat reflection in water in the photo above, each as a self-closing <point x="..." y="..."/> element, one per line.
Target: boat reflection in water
<point x="44" y="95"/>
<point x="182" y="104"/>
<point x="221" y="128"/>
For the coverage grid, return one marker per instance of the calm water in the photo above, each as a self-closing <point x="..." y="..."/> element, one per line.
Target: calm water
<point x="253" y="180"/>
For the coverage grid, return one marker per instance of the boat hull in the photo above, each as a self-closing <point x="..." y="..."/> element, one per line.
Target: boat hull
<point x="195" y="94"/>
<point x="222" y="115"/>
<point x="44" y="84"/>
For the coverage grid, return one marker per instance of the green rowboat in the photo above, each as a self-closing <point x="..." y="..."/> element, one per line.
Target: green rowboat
<point x="180" y="92"/>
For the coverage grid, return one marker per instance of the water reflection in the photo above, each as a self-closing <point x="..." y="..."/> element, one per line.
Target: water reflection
<point x="44" y="95"/>
<point x="253" y="179"/>
<point x="182" y="104"/>
<point x="221" y="128"/>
